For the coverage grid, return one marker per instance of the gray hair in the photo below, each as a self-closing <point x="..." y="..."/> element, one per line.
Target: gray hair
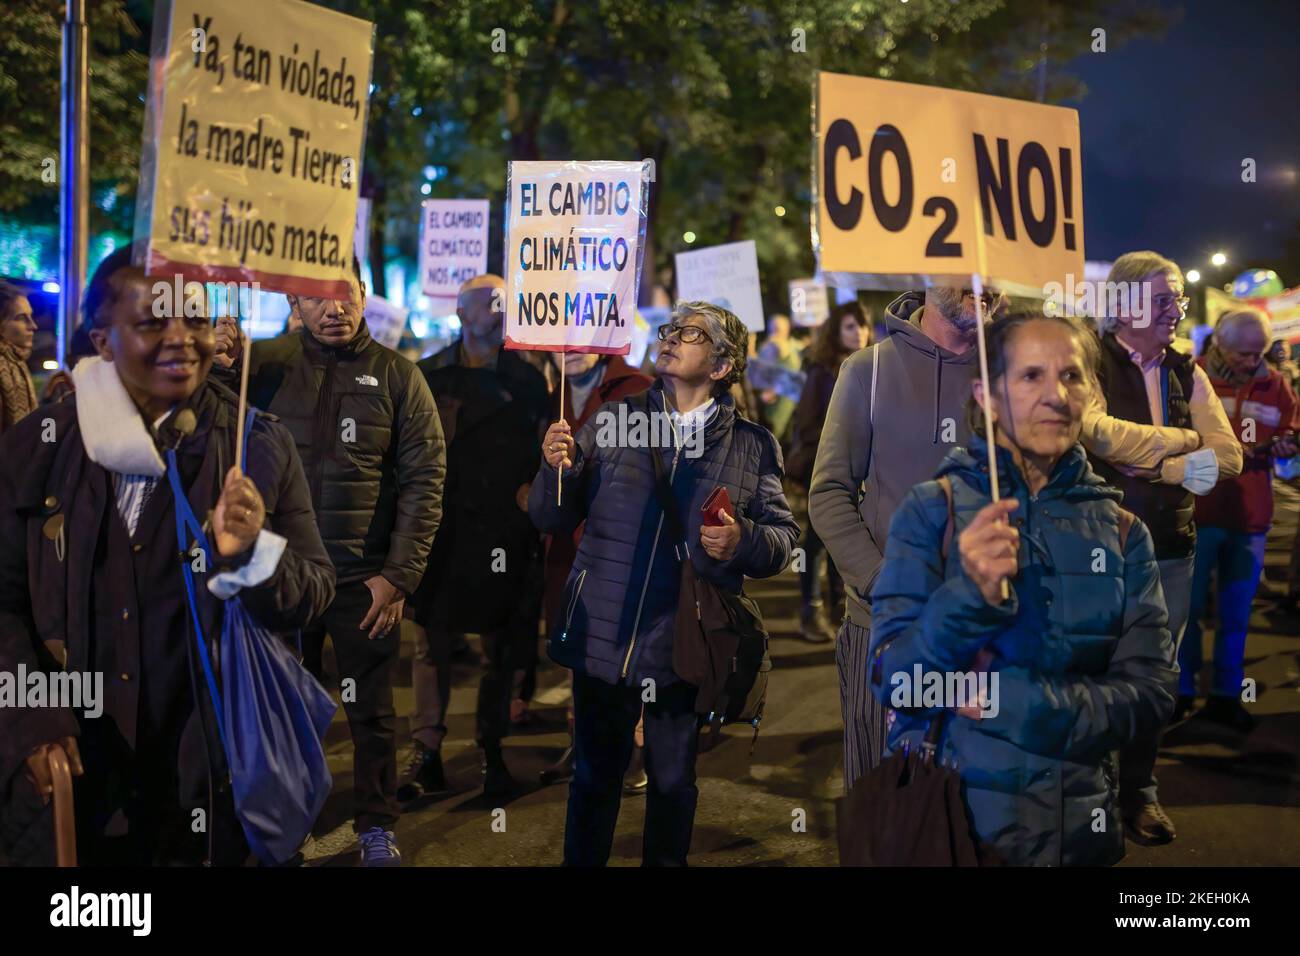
<point x="729" y="335"/>
<point x="1132" y="267"/>
<point x="1235" y="318"/>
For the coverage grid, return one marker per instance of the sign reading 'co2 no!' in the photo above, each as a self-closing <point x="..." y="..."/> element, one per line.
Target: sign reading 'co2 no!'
<point x="918" y="185"/>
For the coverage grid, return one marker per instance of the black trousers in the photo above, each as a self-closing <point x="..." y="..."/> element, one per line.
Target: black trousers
<point x="368" y="702"/>
<point x="506" y="651"/>
<point x="605" y="718"/>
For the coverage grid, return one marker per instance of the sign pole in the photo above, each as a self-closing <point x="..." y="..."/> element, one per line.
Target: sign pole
<point x="559" y="472"/>
<point x="74" y="163"/>
<point x="977" y="286"/>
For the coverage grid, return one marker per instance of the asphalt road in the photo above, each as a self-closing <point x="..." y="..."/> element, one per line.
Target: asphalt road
<point x="1235" y="800"/>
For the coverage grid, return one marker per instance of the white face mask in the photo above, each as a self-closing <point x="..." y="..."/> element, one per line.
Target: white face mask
<point x="1200" y="471"/>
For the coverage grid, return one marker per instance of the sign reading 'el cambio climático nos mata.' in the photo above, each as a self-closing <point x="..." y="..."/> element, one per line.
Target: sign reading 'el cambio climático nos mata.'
<point x="574" y="239"/>
<point x="253" y="139"/>
<point x="453" y="244"/>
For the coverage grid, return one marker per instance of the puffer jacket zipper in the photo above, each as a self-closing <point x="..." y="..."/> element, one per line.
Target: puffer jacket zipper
<point x="322" y="432"/>
<point x="573" y="604"/>
<point x="636" y="623"/>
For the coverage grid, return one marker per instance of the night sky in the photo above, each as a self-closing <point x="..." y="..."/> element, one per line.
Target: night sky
<point x="1167" y="122"/>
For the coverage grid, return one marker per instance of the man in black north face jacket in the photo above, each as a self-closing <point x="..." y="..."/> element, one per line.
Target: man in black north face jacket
<point x="371" y="444"/>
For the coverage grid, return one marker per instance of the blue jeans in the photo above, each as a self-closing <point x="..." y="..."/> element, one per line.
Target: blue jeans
<point x="604" y="721"/>
<point x="1137" y="761"/>
<point x="1238" y="557"/>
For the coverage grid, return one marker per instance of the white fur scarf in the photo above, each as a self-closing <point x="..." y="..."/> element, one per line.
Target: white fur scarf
<point x="112" y="428"/>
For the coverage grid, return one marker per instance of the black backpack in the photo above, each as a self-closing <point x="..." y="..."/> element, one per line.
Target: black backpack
<point x="719" y="642"/>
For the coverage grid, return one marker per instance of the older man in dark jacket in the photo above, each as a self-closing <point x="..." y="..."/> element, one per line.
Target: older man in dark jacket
<point x="484" y="574"/>
<point x="371" y="444"/>
<point x="91" y="585"/>
<point x="622" y="594"/>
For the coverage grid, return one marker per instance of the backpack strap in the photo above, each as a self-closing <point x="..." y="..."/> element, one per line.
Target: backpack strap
<point x="875" y="375"/>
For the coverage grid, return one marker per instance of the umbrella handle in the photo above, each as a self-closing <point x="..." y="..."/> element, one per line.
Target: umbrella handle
<point x="65" y="827"/>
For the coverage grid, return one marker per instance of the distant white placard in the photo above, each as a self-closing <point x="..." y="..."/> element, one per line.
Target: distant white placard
<point x="361" y="237"/>
<point x="808" y="303"/>
<point x="453" y="244"/>
<point x="726" y="276"/>
<point x="385" y="321"/>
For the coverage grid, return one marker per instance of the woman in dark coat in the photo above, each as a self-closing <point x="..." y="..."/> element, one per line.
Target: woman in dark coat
<point x="621" y="597"/>
<point x="846" y="331"/>
<point x="90" y="581"/>
<point x="1075" y="662"/>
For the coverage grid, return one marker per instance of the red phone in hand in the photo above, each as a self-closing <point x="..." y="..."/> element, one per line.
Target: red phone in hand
<point x="717" y="502"/>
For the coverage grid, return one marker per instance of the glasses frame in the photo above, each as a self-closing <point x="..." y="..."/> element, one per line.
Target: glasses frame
<point x="668" y="330"/>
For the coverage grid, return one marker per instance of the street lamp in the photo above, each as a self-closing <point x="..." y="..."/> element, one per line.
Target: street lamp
<point x="1193" y="275"/>
<point x="1218" y="259"/>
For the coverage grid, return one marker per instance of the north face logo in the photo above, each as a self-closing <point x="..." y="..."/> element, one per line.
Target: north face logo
<point x="367" y="380"/>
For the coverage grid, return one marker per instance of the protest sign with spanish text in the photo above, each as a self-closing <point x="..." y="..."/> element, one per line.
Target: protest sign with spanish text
<point x="918" y="186"/>
<point x="575" y="235"/>
<point x="253" y="140"/>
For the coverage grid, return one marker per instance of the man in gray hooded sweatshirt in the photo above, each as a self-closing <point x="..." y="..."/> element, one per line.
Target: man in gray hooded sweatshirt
<point x="897" y="409"/>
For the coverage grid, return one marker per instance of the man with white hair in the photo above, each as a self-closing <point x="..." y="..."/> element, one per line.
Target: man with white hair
<point x="1146" y="382"/>
<point x="1232" y="520"/>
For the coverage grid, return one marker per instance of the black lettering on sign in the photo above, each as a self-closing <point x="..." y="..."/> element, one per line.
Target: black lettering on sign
<point x="996" y="185"/>
<point x="938" y="246"/>
<point x="1034" y="157"/>
<point x="841" y="135"/>
<point x="889" y="140"/>
<point x="1067" y="196"/>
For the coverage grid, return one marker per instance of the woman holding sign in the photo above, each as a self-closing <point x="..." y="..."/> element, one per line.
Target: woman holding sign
<point x="1074" y="661"/>
<point x="91" y="582"/>
<point x="621" y="599"/>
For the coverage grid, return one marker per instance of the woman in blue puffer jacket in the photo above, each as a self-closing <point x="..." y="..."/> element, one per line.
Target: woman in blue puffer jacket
<point x="1075" y="661"/>
<point x="620" y="601"/>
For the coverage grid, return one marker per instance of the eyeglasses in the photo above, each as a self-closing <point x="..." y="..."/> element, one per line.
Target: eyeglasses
<point x="689" y="334"/>
<point x="1166" y="299"/>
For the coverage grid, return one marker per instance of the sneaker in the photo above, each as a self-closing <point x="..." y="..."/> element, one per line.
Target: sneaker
<point x="635" y="780"/>
<point x="1150" y="826"/>
<point x="379" y="848"/>
<point x="562" y="769"/>
<point x="813" y="626"/>
<point x="423" y="775"/>
<point x="1229" y="712"/>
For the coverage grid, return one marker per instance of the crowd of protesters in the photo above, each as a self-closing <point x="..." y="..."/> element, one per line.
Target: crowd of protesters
<point x="473" y="493"/>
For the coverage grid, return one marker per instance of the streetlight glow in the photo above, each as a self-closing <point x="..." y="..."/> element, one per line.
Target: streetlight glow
<point x="1193" y="275"/>
<point x="1218" y="259"/>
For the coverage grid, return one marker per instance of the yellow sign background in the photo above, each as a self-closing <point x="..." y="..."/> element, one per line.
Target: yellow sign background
<point x="938" y="127"/>
<point x="225" y="87"/>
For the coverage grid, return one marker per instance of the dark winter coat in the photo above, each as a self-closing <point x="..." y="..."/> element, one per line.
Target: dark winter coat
<point x="620" y="380"/>
<point x="484" y="555"/>
<point x="1081" y="652"/>
<point x="46" y="610"/>
<point x="371" y="446"/>
<point x="621" y="596"/>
